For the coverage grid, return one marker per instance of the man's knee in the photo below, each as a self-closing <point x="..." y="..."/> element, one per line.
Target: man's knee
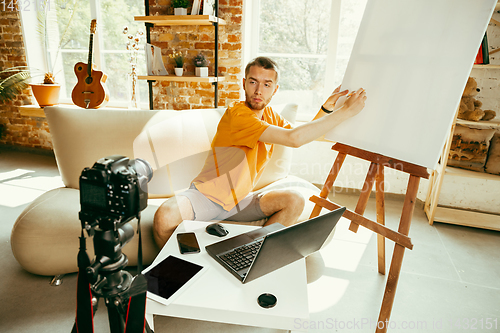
<point x="169" y="215"/>
<point x="289" y="200"/>
<point x="295" y="200"/>
<point x="298" y="199"/>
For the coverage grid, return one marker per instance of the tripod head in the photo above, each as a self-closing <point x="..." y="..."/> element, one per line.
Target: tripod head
<point x="109" y="239"/>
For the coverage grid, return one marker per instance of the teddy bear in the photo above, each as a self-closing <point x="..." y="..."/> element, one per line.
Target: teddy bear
<point x="470" y="108"/>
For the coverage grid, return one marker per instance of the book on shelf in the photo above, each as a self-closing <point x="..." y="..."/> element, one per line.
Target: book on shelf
<point x="196" y="7"/>
<point x="483" y="57"/>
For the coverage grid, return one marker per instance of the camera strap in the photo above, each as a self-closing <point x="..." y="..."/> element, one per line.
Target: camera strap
<point x="84" y="321"/>
<point x="135" y="320"/>
<point x="139" y="251"/>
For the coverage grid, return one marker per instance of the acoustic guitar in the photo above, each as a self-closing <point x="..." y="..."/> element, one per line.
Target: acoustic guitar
<point x="90" y="91"/>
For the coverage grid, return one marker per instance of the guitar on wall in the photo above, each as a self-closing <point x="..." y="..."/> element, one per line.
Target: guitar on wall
<point x="90" y="91"/>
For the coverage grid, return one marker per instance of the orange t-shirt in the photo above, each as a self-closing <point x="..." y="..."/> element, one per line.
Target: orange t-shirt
<point x="237" y="159"/>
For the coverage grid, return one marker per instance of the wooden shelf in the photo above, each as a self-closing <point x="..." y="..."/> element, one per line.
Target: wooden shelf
<point x="479" y="124"/>
<point x="486" y="67"/>
<point x="452" y="171"/>
<point x="467" y="218"/>
<point x="166" y="20"/>
<point x="184" y="78"/>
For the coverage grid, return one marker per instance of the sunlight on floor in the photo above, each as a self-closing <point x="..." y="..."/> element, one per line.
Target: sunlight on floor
<point x="14" y="196"/>
<point x="37" y="183"/>
<point x="344" y="253"/>
<point x="18" y="187"/>
<point x="14" y="174"/>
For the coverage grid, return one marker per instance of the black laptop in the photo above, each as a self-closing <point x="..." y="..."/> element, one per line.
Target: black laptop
<point x="258" y="252"/>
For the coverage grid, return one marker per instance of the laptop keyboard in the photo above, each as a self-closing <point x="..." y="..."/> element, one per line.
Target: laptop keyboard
<point x="241" y="257"/>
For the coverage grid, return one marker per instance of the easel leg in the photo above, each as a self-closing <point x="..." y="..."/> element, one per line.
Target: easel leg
<point x="329" y="182"/>
<point x="379" y="180"/>
<point x="365" y="194"/>
<point x="397" y="258"/>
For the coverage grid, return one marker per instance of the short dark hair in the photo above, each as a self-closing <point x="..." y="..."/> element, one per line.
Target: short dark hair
<point x="265" y="63"/>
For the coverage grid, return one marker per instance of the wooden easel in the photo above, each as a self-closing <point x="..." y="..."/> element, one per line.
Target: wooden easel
<point x="376" y="175"/>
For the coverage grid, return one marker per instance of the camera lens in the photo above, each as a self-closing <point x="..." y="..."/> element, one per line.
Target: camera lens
<point x="142" y="167"/>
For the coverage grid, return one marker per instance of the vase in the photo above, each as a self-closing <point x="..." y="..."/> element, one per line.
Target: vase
<point x="201" y="71"/>
<point x="180" y="11"/>
<point x="133" y="91"/>
<point x="46" y="94"/>
<point x="178" y="71"/>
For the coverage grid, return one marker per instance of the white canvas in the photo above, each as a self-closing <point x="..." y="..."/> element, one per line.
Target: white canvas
<point x="413" y="58"/>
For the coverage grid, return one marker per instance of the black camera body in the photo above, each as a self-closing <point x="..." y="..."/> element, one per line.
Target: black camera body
<point x="113" y="188"/>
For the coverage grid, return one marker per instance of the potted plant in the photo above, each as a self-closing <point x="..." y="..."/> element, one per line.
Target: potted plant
<point x="178" y="59"/>
<point x="13" y="81"/>
<point x="47" y="92"/>
<point x="180" y="6"/>
<point x="201" y="65"/>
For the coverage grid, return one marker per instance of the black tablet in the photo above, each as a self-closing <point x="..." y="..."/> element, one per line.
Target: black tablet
<point x="169" y="278"/>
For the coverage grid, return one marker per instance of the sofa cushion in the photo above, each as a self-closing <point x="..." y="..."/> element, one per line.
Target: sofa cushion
<point x="176" y="146"/>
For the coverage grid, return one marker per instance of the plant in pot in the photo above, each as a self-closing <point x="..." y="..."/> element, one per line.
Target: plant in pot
<point x="47" y="92"/>
<point x="178" y="59"/>
<point x="180" y="6"/>
<point x="13" y="81"/>
<point x="201" y="65"/>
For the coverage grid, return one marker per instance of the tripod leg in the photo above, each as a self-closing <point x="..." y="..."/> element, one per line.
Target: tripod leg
<point x="115" y="316"/>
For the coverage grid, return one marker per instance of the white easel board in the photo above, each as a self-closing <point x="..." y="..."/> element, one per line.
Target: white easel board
<point x="413" y="58"/>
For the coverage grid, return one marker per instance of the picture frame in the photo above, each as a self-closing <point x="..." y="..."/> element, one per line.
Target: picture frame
<point x="154" y="60"/>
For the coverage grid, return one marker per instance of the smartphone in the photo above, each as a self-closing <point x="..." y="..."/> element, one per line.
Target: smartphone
<point x="188" y="243"/>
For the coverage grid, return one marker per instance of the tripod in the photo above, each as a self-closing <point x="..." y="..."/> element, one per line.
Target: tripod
<point x="124" y="295"/>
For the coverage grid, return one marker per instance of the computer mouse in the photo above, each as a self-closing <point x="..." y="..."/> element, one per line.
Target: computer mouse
<point x="216" y="229"/>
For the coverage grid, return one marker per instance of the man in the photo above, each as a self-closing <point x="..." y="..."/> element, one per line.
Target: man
<point x="241" y="148"/>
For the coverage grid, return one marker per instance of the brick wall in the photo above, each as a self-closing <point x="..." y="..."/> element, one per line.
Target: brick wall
<point x="194" y="39"/>
<point x="17" y="129"/>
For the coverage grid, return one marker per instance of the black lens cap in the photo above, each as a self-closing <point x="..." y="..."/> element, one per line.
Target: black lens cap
<point x="267" y="301"/>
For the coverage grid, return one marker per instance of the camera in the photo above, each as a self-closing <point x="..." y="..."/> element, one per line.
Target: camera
<point x="114" y="187"/>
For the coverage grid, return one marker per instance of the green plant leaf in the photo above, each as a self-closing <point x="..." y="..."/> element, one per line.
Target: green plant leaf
<point x="13" y="84"/>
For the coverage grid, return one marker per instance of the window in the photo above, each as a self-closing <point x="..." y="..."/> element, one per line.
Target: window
<point x="311" y="41"/>
<point x="109" y="47"/>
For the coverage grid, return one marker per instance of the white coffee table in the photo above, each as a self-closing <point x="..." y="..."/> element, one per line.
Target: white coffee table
<point x="217" y="296"/>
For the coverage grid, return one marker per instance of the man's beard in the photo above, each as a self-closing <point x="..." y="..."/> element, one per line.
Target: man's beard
<point x="257" y="106"/>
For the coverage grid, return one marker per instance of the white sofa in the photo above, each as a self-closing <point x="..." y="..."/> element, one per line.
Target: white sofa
<point x="45" y="240"/>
